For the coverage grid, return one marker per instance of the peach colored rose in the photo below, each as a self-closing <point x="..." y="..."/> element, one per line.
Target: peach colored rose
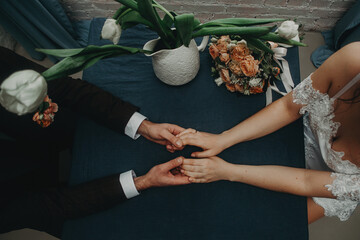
<point x="249" y="66"/>
<point x="224" y="57"/>
<point x="276" y="71"/>
<point x="255" y="90"/>
<point x="231" y="87"/>
<point x="239" y="88"/>
<point x="224" y="74"/>
<point x="239" y="52"/>
<point x="235" y="67"/>
<point x="224" y="38"/>
<point x="214" y="52"/>
<point x="222" y="47"/>
<point x="46" y="117"/>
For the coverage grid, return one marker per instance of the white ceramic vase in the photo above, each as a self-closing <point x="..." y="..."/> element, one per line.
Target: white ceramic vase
<point x="176" y="66"/>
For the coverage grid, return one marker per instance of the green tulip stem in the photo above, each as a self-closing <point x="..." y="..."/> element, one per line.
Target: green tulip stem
<point x="123" y="14"/>
<point x="164" y="10"/>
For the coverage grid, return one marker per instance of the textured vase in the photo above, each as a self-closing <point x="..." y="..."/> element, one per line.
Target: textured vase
<point x="176" y="66"/>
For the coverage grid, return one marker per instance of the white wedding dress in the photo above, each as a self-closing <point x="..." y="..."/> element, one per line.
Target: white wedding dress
<point x="319" y="130"/>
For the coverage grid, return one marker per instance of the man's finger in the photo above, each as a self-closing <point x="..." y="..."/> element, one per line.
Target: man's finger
<point x="171" y="138"/>
<point x="175" y="129"/>
<point x="173" y="163"/>
<point x="181" y="180"/>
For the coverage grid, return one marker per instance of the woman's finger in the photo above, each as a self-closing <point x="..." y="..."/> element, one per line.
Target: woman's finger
<point x="192" y="174"/>
<point x="204" y="154"/>
<point x="195" y="162"/>
<point x="187" y="131"/>
<point x="192" y="168"/>
<point x="197" y="180"/>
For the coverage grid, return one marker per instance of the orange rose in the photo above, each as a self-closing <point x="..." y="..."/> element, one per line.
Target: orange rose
<point x="235" y="67"/>
<point x="224" y="74"/>
<point x="46" y="117"/>
<point x="214" y="52"/>
<point x="222" y="47"/>
<point x="224" y="57"/>
<point x="239" y="52"/>
<point x="224" y="38"/>
<point x="231" y="87"/>
<point x="249" y="66"/>
<point x="254" y="90"/>
<point x="239" y="88"/>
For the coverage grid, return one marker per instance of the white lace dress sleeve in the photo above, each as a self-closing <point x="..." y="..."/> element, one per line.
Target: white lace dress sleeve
<point x="319" y="130"/>
<point x="346" y="188"/>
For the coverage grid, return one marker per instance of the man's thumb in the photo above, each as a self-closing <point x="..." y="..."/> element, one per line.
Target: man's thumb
<point x="174" y="163"/>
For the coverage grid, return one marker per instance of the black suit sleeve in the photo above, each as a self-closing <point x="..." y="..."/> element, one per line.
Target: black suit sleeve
<point x="77" y="95"/>
<point x="48" y="210"/>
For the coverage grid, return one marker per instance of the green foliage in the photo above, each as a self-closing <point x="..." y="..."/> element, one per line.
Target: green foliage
<point x="187" y="27"/>
<point x="78" y="59"/>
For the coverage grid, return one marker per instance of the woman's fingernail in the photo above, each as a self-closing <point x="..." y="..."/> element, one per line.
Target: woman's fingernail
<point x="179" y="143"/>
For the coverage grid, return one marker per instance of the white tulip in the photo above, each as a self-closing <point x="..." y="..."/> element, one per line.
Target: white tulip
<point x="288" y="30"/>
<point x="23" y="92"/>
<point x="111" y="30"/>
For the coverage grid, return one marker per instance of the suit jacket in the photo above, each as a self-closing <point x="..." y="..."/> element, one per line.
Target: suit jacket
<point x="47" y="209"/>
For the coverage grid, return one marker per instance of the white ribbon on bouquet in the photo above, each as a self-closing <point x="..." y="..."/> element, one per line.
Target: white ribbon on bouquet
<point x="279" y="54"/>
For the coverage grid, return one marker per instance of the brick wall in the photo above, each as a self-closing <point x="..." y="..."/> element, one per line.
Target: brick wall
<point x="315" y="15"/>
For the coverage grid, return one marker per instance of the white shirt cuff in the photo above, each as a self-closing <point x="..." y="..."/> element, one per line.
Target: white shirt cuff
<point x="127" y="183"/>
<point x="133" y="125"/>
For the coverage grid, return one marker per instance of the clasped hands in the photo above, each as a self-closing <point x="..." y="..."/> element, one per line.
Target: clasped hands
<point x="202" y="168"/>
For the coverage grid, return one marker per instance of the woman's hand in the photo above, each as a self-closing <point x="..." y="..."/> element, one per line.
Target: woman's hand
<point x="206" y="170"/>
<point x="212" y="144"/>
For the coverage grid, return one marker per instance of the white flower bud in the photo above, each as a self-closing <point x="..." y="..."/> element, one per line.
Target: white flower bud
<point x="22" y="92"/>
<point x="218" y="81"/>
<point x="288" y="30"/>
<point x="111" y="31"/>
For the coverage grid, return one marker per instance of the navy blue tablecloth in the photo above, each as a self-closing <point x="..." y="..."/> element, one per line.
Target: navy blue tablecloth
<point x="219" y="210"/>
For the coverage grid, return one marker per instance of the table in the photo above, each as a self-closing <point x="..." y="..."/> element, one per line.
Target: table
<point x="219" y="210"/>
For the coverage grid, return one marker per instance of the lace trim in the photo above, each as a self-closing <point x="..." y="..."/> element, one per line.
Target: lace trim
<point x="321" y="113"/>
<point x="337" y="208"/>
<point x="318" y="105"/>
<point x="345" y="187"/>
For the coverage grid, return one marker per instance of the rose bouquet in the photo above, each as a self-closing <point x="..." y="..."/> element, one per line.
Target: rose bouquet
<point x="241" y="67"/>
<point x="244" y="67"/>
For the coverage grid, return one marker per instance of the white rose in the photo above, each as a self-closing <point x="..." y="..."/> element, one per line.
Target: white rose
<point x="288" y="30"/>
<point x="22" y="92"/>
<point x="111" y="31"/>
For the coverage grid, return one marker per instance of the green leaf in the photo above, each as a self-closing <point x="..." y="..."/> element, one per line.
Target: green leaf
<point x="168" y="21"/>
<point x="255" y="42"/>
<point x="60" y="52"/>
<point x="184" y="28"/>
<point x="147" y="11"/>
<point x="120" y="11"/>
<point x="196" y="23"/>
<point x="132" y="18"/>
<point x="243" y="31"/>
<point x="86" y="58"/>
<point x="129" y="3"/>
<point x="238" y="22"/>
<point x="276" y="38"/>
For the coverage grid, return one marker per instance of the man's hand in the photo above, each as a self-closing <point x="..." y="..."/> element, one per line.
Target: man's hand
<point x="162" y="133"/>
<point x="166" y="174"/>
